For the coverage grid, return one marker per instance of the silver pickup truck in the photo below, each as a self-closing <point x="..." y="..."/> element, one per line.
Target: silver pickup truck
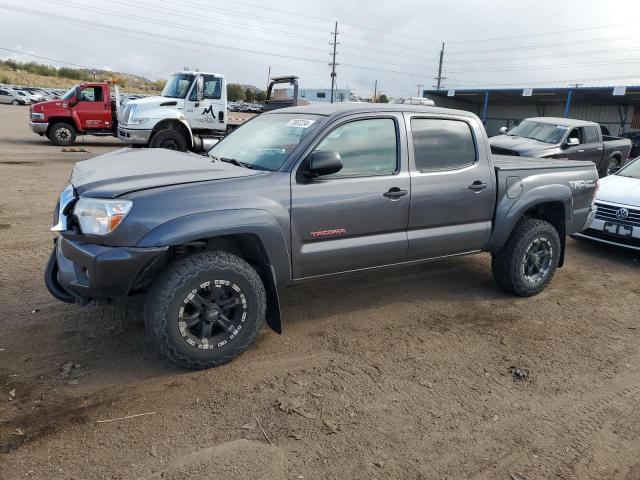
<point x="302" y="193"/>
<point x="549" y="137"/>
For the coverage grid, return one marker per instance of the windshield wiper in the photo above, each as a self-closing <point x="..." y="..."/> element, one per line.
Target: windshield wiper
<point x="235" y="162"/>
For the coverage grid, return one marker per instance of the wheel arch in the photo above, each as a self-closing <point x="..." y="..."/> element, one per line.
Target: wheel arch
<point x="552" y="203"/>
<point x="55" y="120"/>
<point x="253" y="235"/>
<point x="174" y="124"/>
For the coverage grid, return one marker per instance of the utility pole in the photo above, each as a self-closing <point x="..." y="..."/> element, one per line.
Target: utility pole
<point x="419" y="85"/>
<point x="333" y="61"/>
<point x="268" y="77"/>
<point x="440" y="77"/>
<point x="375" y="90"/>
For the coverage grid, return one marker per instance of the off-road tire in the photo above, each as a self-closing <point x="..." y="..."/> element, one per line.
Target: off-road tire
<point x="62" y="134"/>
<point x="606" y="167"/>
<point x="506" y="264"/>
<point x="169" y="139"/>
<point x="167" y="295"/>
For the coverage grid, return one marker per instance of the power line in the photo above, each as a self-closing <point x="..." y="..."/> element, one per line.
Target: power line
<point x="170" y="24"/>
<point x="546" y="56"/>
<point x="581" y="80"/>
<point x="557" y="32"/>
<point x="544" y="45"/>
<point x="112" y="29"/>
<point x="630" y="61"/>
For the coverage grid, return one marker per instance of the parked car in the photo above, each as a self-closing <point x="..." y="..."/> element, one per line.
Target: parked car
<point x="548" y="137"/>
<point x="634" y="136"/>
<point x="10" y="96"/>
<point x="298" y="194"/>
<point x="414" y="101"/>
<point x="617" y="220"/>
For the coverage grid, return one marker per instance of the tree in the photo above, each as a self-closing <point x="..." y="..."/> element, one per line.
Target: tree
<point x="235" y="92"/>
<point x="249" y="95"/>
<point x="383" y="99"/>
<point x="261" y="96"/>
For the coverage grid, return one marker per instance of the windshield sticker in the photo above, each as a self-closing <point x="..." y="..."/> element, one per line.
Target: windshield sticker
<point x="300" y="123"/>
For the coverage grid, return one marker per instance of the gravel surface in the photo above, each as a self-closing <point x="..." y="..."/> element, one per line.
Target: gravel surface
<point x="425" y="372"/>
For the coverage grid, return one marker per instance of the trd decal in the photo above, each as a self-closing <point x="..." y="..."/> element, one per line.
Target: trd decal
<point x="328" y="233"/>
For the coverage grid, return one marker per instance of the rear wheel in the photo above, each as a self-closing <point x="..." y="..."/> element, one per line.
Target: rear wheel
<point x="609" y="167"/>
<point x="527" y="262"/>
<point x="205" y="309"/>
<point x="169" y="139"/>
<point x="62" y="134"/>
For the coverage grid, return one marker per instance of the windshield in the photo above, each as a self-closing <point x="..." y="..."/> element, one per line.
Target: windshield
<point x="178" y="85"/>
<point x="70" y="93"/>
<point x="266" y="141"/>
<point x="543" y="132"/>
<point x="631" y="170"/>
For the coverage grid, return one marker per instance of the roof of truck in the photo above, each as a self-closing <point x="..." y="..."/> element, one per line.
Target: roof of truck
<point x="328" y="109"/>
<point x="565" y="122"/>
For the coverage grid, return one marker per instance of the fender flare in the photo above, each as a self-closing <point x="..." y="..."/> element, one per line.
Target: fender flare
<point x="275" y="268"/>
<point x="508" y="211"/>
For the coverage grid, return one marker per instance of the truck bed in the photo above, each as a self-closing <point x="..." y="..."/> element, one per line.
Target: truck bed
<point x="508" y="162"/>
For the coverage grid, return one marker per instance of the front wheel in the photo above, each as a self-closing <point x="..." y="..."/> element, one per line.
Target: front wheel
<point x="62" y="134"/>
<point x="15" y="102"/>
<point x="205" y="309"/>
<point x="169" y="139"/>
<point x="527" y="262"/>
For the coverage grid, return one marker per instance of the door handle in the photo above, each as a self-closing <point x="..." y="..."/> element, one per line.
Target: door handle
<point x="477" y="186"/>
<point x="394" y="193"/>
<point x="580" y="151"/>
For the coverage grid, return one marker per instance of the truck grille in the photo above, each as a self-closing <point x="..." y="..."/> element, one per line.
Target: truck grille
<point x="609" y="213"/>
<point x="503" y="151"/>
<point x="124" y="117"/>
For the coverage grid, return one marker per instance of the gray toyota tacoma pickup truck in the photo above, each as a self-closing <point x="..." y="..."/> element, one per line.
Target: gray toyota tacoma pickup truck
<point x="549" y="137"/>
<point x="298" y="194"/>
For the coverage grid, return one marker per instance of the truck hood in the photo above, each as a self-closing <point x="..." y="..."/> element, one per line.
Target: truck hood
<point x="524" y="146"/>
<point x="621" y="190"/>
<point x="129" y="170"/>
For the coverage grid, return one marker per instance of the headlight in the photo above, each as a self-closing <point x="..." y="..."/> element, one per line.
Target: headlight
<point x="99" y="217"/>
<point x="138" y="121"/>
<point x="37" y="116"/>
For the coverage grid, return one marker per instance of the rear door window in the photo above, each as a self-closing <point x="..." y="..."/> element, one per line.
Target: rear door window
<point x="441" y="144"/>
<point x="591" y="135"/>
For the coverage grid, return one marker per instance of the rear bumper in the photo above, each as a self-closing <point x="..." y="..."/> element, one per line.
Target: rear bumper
<point x="88" y="271"/>
<point x="39" y="127"/>
<point x="134" y="136"/>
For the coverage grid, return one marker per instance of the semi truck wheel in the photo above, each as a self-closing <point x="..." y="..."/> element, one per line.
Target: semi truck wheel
<point x="206" y="309"/>
<point x="169" y="139"/>
<point x="62" y="134"/>
<point x="527" y="262"/>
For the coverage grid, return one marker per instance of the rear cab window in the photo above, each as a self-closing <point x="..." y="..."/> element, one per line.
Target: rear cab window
<point x="442" y="144"/>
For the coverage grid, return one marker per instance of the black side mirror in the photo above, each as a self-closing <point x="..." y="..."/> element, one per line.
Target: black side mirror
<point x="200" y="88"/>
<point x="324" y="163"/>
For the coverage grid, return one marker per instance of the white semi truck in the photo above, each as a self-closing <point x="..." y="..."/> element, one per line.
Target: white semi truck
<point x="190" y="114"/>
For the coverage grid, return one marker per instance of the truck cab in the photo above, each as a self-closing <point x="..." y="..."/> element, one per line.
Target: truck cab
<point x="191" y="109"/>
<point x="86" y="109"/>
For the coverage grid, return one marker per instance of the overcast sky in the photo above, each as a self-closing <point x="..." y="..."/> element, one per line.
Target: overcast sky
<point x="492" y="43"/>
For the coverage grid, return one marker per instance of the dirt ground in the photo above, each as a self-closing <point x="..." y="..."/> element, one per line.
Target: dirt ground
<point x="401" y="374"/>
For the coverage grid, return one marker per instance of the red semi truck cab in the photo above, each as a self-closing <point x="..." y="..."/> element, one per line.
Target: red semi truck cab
<point x="86" y="109"/>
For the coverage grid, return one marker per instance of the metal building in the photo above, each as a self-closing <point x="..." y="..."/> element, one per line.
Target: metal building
<point x="313" y="95"/>
<point x="618" y="108"/>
